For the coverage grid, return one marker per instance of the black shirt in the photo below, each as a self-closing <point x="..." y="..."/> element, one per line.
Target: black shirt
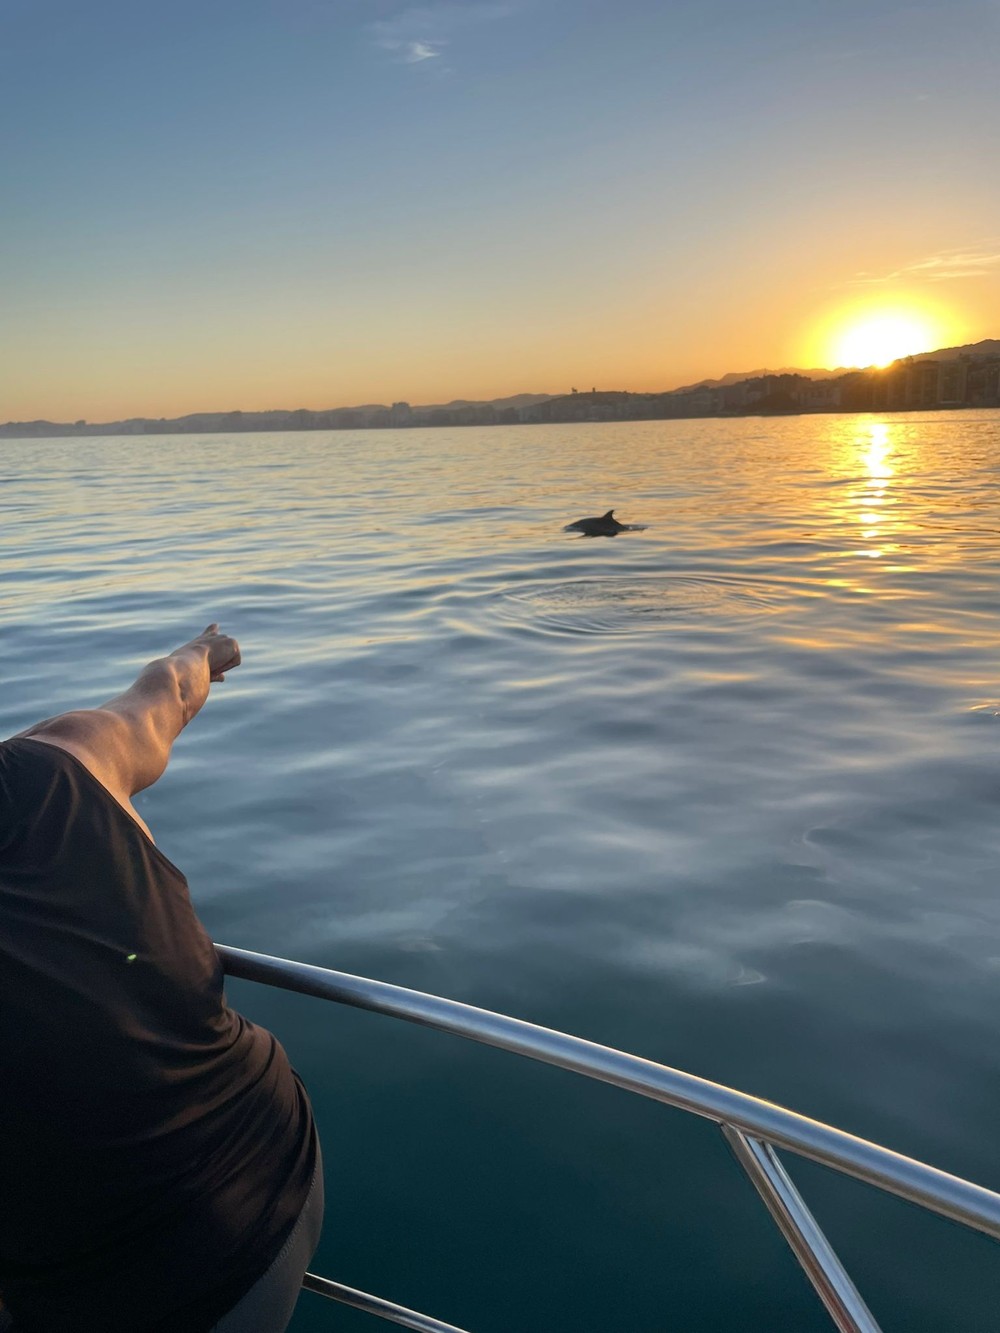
<point x="156" y="1148"/>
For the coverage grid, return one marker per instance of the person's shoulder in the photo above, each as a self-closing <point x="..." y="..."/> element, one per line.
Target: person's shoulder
<point x="28" y="773"/>
<point x="25" y="760"/>
<point x="70" y="745"/>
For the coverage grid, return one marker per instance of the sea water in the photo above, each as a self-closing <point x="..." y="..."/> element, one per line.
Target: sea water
<point x="724" y="793"/>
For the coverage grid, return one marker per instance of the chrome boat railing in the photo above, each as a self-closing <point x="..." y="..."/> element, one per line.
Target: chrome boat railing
<point x="753" y="1129"/>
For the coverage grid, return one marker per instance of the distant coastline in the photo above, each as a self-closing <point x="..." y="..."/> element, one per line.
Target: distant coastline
<point x="952" y="377"/>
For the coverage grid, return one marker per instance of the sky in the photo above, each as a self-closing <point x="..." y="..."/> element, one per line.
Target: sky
<point x="256" y="204"/>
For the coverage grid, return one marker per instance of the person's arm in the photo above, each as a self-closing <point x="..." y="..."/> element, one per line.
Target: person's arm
<point x="126" y="742"/>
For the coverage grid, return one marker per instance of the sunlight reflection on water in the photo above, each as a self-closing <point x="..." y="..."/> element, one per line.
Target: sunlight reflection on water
<point x="723" y="792"/>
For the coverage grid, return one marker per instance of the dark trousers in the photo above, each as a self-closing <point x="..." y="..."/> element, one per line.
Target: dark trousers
<point x="268" y="1305"/>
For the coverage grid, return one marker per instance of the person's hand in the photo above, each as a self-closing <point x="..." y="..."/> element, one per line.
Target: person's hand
<point x="223" y="652"/>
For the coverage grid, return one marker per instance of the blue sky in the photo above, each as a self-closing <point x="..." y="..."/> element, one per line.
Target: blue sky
<point x="303" y="204"/>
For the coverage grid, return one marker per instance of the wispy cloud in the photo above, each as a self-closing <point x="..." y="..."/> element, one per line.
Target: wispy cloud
<point x="978" y="262"/>
<point x="417" y="51"/>
<point x="421" y="32"/>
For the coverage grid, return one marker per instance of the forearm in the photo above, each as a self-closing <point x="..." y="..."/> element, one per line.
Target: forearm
<point x="168" y="692"/>
<point x="156" y="708"/>
<point x="126" y="742"/>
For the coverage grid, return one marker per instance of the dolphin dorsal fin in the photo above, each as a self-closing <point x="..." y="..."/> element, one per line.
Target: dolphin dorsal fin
<point x="610" y="514"/>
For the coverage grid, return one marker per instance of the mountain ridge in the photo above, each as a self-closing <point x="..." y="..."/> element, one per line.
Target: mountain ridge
<point x="459" y="411"/>
<point x="739" y="376"/>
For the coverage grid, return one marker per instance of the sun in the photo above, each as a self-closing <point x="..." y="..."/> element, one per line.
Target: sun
<point x="876" y="340"/>
<point x="876" y="329"/>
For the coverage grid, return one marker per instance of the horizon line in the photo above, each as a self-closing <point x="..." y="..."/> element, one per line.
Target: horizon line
<point x="706" y="381"/>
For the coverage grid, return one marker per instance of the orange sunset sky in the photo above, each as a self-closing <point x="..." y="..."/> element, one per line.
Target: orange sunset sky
<point x="250" y="205"/>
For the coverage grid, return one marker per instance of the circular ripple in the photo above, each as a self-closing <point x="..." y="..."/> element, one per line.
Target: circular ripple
<point x="632" y="605"/>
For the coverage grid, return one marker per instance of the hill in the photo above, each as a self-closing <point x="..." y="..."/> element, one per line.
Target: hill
<point x="739" y="376"/>
<point x="787" y="389"/>
<point x="987" y="347"/>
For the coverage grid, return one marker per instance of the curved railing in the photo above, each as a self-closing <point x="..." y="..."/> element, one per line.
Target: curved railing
<point x="752" y="1127"/>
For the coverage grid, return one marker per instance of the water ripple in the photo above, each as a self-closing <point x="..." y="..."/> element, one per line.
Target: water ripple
<point x="621" y="605"/>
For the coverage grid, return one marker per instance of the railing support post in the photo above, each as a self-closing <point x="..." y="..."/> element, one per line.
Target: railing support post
<point x="798" y="1226"/>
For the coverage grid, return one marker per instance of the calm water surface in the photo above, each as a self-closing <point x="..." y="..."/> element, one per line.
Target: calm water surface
<point x="724" y="793"/>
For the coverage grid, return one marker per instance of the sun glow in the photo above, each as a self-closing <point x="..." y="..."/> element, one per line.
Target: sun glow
<point x="876" y="330"/>
<point x="881" y="339"/>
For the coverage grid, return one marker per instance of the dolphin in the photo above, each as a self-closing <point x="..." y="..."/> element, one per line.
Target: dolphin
<point x="605" y="526"/>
